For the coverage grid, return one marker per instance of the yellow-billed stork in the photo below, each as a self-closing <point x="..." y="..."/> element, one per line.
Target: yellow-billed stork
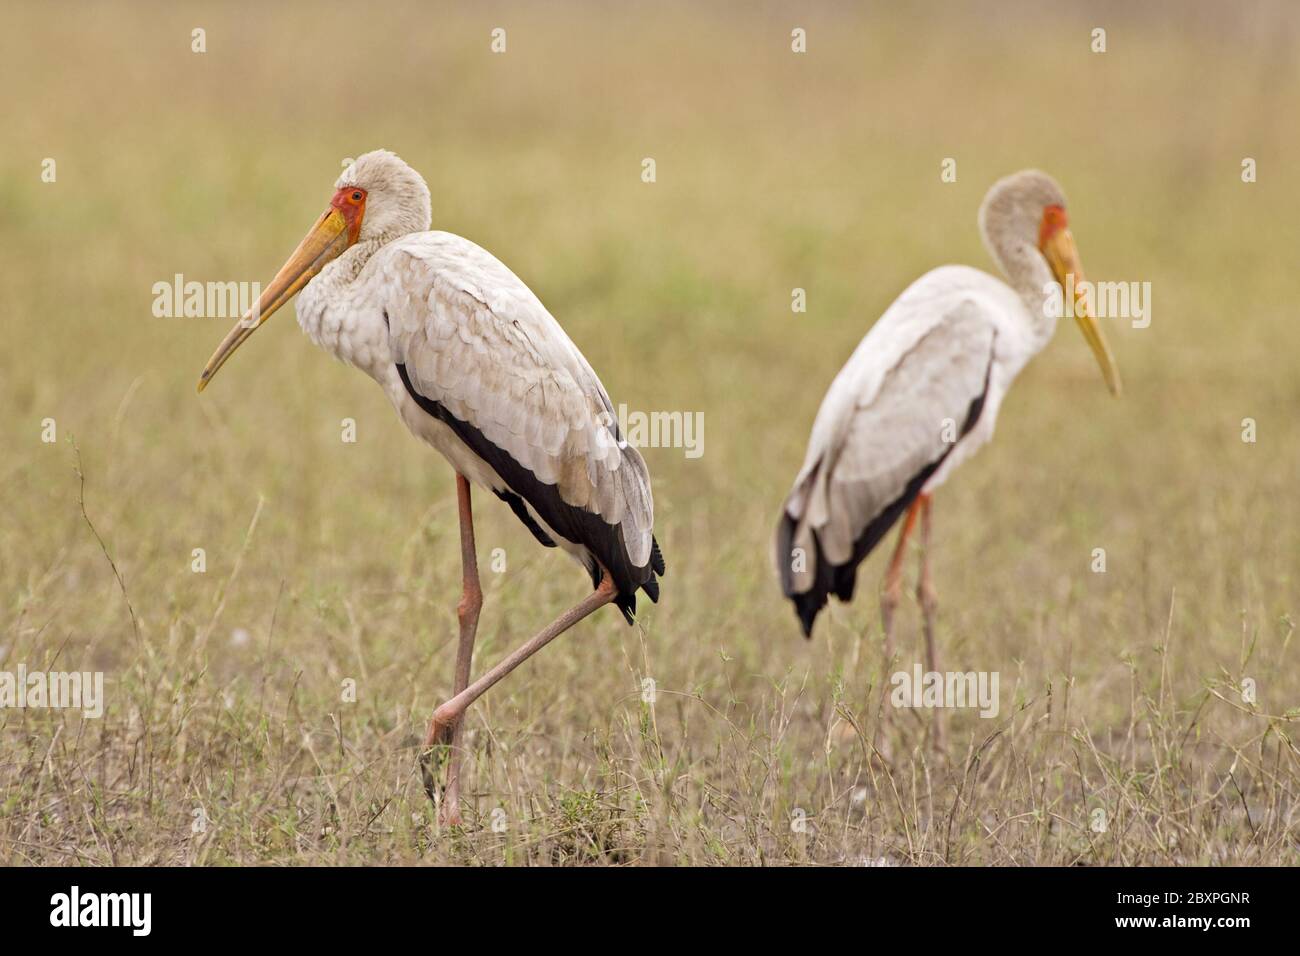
<point x="478" y="368"/>
<point x="920" y="395"/>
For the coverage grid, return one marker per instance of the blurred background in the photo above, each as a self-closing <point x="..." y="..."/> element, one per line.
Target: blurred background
<point x="329" y="561"/>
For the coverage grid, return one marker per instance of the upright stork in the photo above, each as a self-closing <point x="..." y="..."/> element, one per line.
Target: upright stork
<point x="920" y="395"/>
<point x="478" y="368"/>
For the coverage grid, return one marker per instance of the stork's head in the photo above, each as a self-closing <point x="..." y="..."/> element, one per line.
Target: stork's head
<point x="1023" y="218"/>
<point x="393" y="202"/>
<point x="377" y="199"/>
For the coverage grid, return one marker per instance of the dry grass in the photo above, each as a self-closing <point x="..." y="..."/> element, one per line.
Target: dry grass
<point x="329" y="562"/>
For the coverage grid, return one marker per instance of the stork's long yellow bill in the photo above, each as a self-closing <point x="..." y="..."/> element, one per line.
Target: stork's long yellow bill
<point x="1063" y="256"/>
<point x="325" y="242"/>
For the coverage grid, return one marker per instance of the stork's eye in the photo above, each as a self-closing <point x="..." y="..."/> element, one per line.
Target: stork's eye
<point x="356" y="196"/>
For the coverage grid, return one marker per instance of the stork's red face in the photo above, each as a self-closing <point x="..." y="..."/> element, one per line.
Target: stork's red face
<point x="350" y="201"/>
<point x="1054" y="220"/>
<point x="1056" y="243"/>
<point x="338" y="227"/>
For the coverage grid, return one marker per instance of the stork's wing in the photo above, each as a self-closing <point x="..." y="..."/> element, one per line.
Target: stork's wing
<point x="912" y="389"/>
<point x="478" y="349"/>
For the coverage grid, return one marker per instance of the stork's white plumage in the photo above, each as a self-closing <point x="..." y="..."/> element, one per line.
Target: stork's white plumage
<point x="920" y="395"/>
<point x="477" y="367"/>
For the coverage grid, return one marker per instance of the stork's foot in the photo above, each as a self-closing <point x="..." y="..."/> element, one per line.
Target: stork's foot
<point x="443" y="727"/>
<point x="890" y="595"/>
<point x="437" y="746"/>
<point x="888" y="606"/>
<point x="882" y="747"/>
<point x="929" y="607"/>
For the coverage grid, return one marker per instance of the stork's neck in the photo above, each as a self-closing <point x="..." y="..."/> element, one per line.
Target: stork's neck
<point x="335" y="279"/>
<point x="1028" y="274"/>
<point x="338" y="313"/>
<point x="349" y="265"/>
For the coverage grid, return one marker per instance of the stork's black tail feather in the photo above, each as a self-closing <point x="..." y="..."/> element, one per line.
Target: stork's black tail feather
<point x="807" y="604"/>
<point x="839" y="579"/>
<point x="626" y="600"/>
<point x="656" y="557"/>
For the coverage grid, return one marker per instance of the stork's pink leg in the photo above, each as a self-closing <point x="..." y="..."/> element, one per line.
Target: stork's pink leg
<point x="467" y="611"/>
<point x="890" y="593"/>
<point x="446" y="717"/>
<point x="929" y="605"/>
<point x="892" y="589"/>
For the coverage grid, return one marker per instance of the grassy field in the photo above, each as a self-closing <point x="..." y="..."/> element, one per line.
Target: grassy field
<point x="226" y="736"/>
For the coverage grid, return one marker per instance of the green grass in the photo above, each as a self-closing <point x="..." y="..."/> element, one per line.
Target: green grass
<point x="329" y="562"/>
